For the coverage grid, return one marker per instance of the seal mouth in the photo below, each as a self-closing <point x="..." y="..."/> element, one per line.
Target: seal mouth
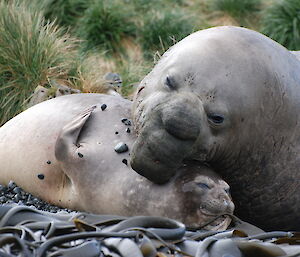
<point x="215" y="222"/>
<point x="219" y="224"/>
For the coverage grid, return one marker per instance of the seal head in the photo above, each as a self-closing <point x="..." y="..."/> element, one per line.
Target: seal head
<point x="226" y="97"/>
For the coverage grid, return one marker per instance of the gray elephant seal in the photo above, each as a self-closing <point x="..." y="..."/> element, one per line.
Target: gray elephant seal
<point x="64" y="151"/>
<point x="228" y="97"/>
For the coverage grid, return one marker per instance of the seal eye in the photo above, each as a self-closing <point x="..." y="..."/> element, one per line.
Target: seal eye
<point x="170" y="83"/>
<point x="140" y="89"/>
<point x="216" y="118"/>
<point x="203" y="185"/>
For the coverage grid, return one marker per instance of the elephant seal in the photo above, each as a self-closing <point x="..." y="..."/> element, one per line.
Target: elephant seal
<point x="228" y="97"/>
<point x="72" y="151"/>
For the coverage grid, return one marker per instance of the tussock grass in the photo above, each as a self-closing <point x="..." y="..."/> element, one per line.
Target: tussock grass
<point x="32" y="52"/>
<point x="162" y="29"/>
<point x="65" y="12"/>
<point x="104" y="23"/>
<point x="91" y="71"/>
<point x="146" y="5"/>
<point x="281" y="22"/>
<point x="236" y="8"/>
<point x="121" y="36"/>
<point x="132" y="72"/>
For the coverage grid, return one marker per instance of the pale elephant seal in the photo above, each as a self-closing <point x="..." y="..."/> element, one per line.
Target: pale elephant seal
<point x="65" y="151"/>
<point x="228" y="97"/>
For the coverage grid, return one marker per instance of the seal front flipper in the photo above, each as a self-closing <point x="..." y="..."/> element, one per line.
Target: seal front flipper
<point x="67" y="141"/>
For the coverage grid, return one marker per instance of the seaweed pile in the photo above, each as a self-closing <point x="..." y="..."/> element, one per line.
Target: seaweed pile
<point x="25" y="231"/>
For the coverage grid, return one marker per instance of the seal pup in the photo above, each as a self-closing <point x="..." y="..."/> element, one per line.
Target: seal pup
<point x="73" y="151"/>
<point x="228" y="97"/>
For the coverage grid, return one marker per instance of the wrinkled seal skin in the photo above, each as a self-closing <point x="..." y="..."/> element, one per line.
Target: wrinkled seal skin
<point x="228" y="97"/>
<point x="71" y="141"/>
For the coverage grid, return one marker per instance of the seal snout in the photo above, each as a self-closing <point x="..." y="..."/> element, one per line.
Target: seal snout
<point x="157" y="164"/>
<point x="168" y="132"/>
<point x="181" y="122"/>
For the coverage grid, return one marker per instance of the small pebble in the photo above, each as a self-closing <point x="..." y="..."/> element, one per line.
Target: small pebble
<point x="35" y="200"/>
<point x="103" y="107"/>
<point x="41" y="176"/>
<point x="16" y="198"/>
<point x="125" y="161"/>
<point x="15" y="194"/>
<point x="17" y="190"/>
<point x="116" y="132"/>
<point x="126" y="121"/>
<point x="80" y="155"/>
<point x="121" y="147"/>
<point x="11" y="185"/>
<point x="48" y="162"/>
<point x="128" y="130"/>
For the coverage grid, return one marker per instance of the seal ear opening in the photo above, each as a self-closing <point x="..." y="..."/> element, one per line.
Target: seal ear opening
<point x="67" y="141"/>
<point x="171" y="84"/>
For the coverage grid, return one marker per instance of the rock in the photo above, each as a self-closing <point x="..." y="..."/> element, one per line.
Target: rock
<point x="41" y="176"/>
<point x="103" y="107"/>
<point x="126" y="121"/>
<point x="121" y="147"/>
<point x="41" y="94"/>
<point x="11" y="185"/>
<point x="113" y="80"/>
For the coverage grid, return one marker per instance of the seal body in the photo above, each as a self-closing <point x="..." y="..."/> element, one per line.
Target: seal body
<point x="228" y="97"/>
<point x="73" y="151"/>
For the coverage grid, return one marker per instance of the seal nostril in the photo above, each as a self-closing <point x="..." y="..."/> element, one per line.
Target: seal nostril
<point x="181" y="120"/>
<point x="227" y="191"/>
<point x="181" y="125"/>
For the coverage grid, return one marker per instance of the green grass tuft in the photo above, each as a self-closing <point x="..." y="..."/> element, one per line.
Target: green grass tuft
<point x="32" y="53"/>
<point x="281" y="22"/>
<point x="146" y="5"/>
<point x="65" y="12"/>
<point x="104" y="23"/>
<point x="236" y="8"/>
<point x="162" y="29"/>
<point x="132" y="72"/>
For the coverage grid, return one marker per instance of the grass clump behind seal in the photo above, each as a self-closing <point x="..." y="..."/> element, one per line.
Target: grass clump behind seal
<point x="236" y="8"/>
<point x="32" y="53"/>
<point x="146" y="5"/>
<point x="65" y="12"/>
<point x="104" y="24"/>
<point x="281" y="22"/>
<point x="162" y="29"/>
